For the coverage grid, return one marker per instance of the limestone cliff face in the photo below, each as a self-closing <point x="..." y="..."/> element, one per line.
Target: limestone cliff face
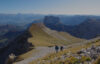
<point x="55" y="23"/>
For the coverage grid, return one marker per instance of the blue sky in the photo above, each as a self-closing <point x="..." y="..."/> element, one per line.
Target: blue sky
<point x="90" y="7"/>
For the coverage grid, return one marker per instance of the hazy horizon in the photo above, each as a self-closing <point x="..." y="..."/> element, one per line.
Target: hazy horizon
<point x="59" y="7"/>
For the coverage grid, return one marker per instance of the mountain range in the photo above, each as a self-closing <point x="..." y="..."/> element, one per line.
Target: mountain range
<point x="88" y="29"/>
<point x="49" y="31"/>
<point x="24" y="19"/>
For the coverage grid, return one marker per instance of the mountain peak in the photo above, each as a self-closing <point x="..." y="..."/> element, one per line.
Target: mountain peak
<point x="53" y="23"/>
<point x="51" y="19"/>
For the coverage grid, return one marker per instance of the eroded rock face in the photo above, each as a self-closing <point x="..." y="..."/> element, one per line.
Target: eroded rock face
<point x="52" y="22"/>
<point x="55" y="24"/>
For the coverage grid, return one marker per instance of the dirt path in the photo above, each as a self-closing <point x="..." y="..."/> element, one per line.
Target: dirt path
<point x="43" y="51"/>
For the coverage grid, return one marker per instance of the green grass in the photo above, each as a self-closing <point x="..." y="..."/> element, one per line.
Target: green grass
<point x="41" y="38"/>
<point x="71" y="38"/>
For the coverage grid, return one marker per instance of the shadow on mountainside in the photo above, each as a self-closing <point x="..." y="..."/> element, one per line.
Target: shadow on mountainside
<point x="17" y="46"/>
<point x="89" y="29"/>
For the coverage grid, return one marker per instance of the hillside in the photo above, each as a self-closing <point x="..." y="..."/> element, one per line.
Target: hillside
<point x="90" y="28"/>
<point x="52" y="32"/>
<point x="17" y="46"/>
<point x="73" y="55"/>
<point x="43" y="36"/>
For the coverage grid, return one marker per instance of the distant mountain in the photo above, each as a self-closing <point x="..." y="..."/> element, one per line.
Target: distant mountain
<point x="8" y="33"/>
<point x="24" y="19"/>
<point x="55" y="23"/>
<point x="88" y="29"/>
<point x="49" y="31"/>
<point x="46" y="32"/>
<point x="75" y="19"/>
<point x="18" y="19"/>
<point x="10" y="28"/>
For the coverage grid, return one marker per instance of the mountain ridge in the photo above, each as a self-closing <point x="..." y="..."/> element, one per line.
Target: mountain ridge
<point x="79" y="31"/>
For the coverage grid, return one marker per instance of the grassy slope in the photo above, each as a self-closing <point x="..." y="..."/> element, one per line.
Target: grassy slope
<point x="41" y="38"/>
<point x="72" y="39"/>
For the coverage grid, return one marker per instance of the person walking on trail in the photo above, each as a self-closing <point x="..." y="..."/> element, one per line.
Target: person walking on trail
<point x="61" y="48"/>
<point x="56" y="48"/>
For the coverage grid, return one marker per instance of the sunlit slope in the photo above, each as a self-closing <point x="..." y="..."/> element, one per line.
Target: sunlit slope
<point x="71" y="38"/>
<point x="43" y="36"/>
<point x="62" y="35"/>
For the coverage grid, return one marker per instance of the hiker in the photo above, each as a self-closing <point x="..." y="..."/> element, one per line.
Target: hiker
<point x="56" y="48"/>
<point x="61" y="48"/>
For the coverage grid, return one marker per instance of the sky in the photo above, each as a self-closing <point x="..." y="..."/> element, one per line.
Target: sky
<point x="86" y="7"/>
